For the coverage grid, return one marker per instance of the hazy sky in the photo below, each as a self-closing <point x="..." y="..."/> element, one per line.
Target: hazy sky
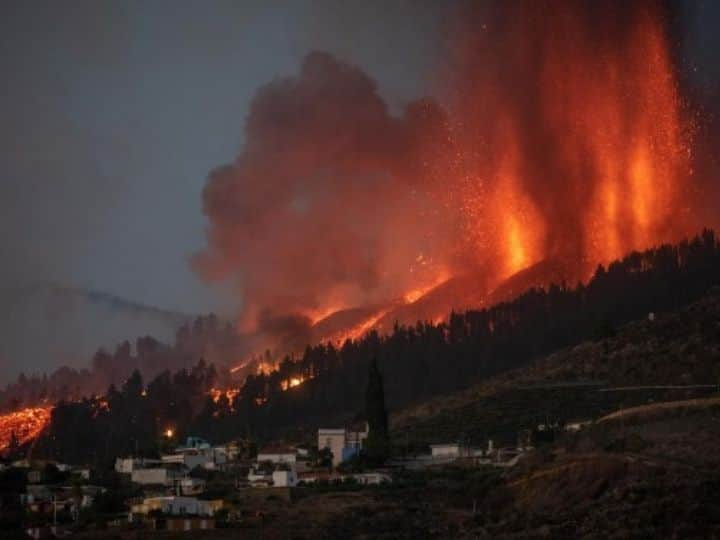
<point x="113" y="113"/>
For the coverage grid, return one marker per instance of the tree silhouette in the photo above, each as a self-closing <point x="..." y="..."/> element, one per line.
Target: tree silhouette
<point x="377" y="444"/>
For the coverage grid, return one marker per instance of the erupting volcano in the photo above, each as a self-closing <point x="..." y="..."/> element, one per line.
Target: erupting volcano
<point x="563" y="143"/>
<point x="572" y="135"/>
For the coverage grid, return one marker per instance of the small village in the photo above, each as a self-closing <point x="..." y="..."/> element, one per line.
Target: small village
<point x="198" y="486"/>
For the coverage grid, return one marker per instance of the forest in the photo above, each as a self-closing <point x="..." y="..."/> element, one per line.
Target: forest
<point x="417" y="362"/>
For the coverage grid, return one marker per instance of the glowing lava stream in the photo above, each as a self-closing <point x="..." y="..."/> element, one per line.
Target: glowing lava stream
<point x="26" y="424"/>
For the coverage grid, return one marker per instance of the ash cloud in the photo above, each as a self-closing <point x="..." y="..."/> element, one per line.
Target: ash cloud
<point x="328" y="198"/>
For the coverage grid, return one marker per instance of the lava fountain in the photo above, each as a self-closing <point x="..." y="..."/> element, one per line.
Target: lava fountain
<point x="571" y="126"/>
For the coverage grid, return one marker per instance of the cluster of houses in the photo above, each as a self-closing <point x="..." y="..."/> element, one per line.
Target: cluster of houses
<point x="171" y="470"/>
<point x="174" y="494"/>
<point x="54" y="489"/>
<point x="172" y="490"/>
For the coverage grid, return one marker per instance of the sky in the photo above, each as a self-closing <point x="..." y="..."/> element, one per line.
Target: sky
<point x="114" y="113"/>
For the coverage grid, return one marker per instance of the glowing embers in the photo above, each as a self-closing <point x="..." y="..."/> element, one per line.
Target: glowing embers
<point x="292" y="382"/>
<point x="229" y="393"/>
<point x="25" y="424"/>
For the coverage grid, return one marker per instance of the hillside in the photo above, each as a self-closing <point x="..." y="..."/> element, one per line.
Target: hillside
<point x="672" y="357"/>
<point x="47" y="325"/>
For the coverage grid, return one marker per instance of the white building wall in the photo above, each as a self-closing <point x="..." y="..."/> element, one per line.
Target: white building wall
<point x="445" y="450"/>
<point x="284" y="478"/>
<point x="334" y="439"/>
<point x="277" y="458"/>
<point x="151" y="477"/>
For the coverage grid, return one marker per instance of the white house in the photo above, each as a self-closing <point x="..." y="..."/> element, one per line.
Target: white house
<point x="277" y="454"/>
<point x="199" y="456"/>
<point x="259" y="478"/>
<point x="446" y="450"/>
<point x="343" y="443"/>
<point x="176" y="506"/>
<point x="189" y="460"/>
<point x="284" y="478"/>
<point x="163" y="476"/>
<point x="128" y="465"/>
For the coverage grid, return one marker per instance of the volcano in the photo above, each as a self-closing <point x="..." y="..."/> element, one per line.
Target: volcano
<point x="463" y="292"/>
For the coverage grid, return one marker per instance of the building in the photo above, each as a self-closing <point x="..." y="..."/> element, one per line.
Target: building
<point x="192" y="486"/>
<point x="195" y="443"/>
<point x="197" y="453"/>
<point x="160" y="476"/>
<point x="128" y="465"/>
<point x="34" y="477"/>
<point x="366" y="479"/>
<point x="46" y="499"/>
<point x="372" y="478"/>
<point x="277" y="454"/>
<point x="343" y="443"/>
<point x="259" y="478"/>
<point x="175" y="506"/>
<point x="449" y="450"/>
<point x="284" y="478"/>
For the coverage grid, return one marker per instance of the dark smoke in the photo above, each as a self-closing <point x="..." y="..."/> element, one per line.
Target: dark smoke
<point x="328" y="199"/>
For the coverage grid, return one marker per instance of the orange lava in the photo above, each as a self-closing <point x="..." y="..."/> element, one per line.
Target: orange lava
<point x="572" y="135"/>
<point x="292" y="383"/>
<point x="360" y="329"/>
<point x="415" y="294"/>
<point x="26" y="424"/>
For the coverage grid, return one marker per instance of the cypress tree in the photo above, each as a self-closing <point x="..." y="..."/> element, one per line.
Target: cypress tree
<point x="377" y="444"/>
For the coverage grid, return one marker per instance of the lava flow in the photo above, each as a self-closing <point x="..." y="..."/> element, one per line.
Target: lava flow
<point x="25" y="425"/>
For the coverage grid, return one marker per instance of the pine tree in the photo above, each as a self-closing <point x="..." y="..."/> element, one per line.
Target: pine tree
<point x="377" y="444"/>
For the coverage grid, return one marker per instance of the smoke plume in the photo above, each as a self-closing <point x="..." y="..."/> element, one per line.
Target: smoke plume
<point x="329" y="200"/>
<point x="564" y="139"/>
